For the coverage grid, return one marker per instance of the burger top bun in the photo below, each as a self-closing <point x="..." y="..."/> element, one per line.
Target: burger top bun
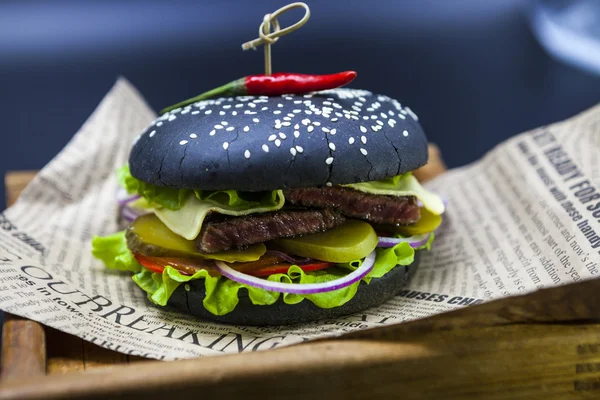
<point x="251" y="143"/>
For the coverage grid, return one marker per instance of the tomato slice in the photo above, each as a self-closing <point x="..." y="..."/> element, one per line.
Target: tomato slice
<point x="261" y="267"/>
<point x="283" y="268"/>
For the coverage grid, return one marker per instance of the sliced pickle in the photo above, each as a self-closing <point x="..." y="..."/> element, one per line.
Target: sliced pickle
<point x="148" y="236"/>
<point x="427" y="223"/>
<point x="350" y="241"/>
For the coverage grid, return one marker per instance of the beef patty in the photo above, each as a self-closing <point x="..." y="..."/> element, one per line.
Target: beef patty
<point x="238" y="232"/>
<point x="398" y="210"/>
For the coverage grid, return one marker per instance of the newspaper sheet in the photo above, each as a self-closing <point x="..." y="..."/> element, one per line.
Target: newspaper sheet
<point x="524" y="217"/>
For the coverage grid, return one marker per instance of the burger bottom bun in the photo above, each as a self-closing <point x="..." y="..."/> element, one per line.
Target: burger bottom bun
<point x="378" y="291"/>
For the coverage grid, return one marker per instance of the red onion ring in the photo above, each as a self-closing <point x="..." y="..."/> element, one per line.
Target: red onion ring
<point x="128" y="200"/>
<point x="298" y="288"/>
<point x="413" y="241"/>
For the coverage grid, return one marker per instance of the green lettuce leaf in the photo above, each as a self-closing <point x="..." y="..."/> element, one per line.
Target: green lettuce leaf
<point x="184" y="213"/>
<point x="157" y="196"/>
<point x="113" y="252"/>
<point x="222" y="293"/>
<point x="403" y="185"/>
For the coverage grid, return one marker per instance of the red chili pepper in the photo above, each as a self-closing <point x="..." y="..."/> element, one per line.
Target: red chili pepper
<point x="273" y="85"/>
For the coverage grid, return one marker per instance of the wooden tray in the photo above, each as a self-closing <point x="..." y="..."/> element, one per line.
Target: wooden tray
<point x="542" y="345"/>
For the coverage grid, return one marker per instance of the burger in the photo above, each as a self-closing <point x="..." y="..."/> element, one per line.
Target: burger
<point x="280" y="209"/>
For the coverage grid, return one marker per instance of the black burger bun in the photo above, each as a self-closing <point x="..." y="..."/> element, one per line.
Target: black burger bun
<point x="378" y="291"/>
<point x="250" y="143"/>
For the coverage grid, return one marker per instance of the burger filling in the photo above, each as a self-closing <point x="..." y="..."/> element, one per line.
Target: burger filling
<point x="294" y="236"/>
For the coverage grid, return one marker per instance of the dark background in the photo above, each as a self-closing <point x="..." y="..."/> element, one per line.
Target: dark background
<point x="471" y="69"/>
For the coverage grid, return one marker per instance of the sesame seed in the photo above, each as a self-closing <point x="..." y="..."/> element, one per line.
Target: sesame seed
<point x="296" y="134"/>
<point x="379" y="123"/>
<point x="207" y="112"/>
<point x="230" y="129"/>
<point x="355" y="108"/>
<point x="183" y="142"/>
<point x="221" y="112"/>
<point x="374" y="127"/>
<point x="246" y="128"/>
<point x="287" y="119"/>
<point x="279" y="105"/>
<point x="152" y="133"/>
<point x="277" y="142"/>
<point x="351" y="140"/>
<point x="247" y="154"/>
<point x="297" y="111"/>
<point x="307" y="112"/>
<point x="327" y="103"/>
<point x="310" y="128"/>
<point x="334" y="119"/>
<point x="333" y="132"/>
<point x="363" y="139"/>
<point x="282" y="135"/>
<point x="365" y="117"/>
<point x="297" y="126"/>
<point x="234" y="113"/>
<point x="326" y="130"/>
<point x="332" y="146"/>
<point x="276" y="112"/>
<point x="405" y="133"/>
<point x="193" y="136"/>
<point x="329" y="160"/>
<point x="225" y="145"/>
<point x="255" y="120"/>
<point x="370" y="109"/>
<point x="363" y="129"/>
<point x="272" y="137"/>
<point x="298" y="102"/>
<point x="264" y="108"/>
<point x="293" y="151"/>
<point x="291" y="115"/>
<point x="358" y="103"/>
<point x="224" y="123"/>
<point x="172" y="117"/>
<point x="240" y="105"/>
<point x="218" y="126"/>
<point x="286" y="123"/>
<point x="212" y="133"/>
<point x="391" y="122"/>
<point x="265" y="148"/>
<point x="383" y="115"/>
<point x="401" y="116"/>
<point x="412" y="114"/>
<point x="300" y="149"/>
<point x="328" y="184"/>
<point x="305" y="121"/>
<point x="363" y="151"/>
<point x="391" y="112"/>
<point x="195" y="112"/>
<point x="373" y="116"/>
<point x="227" y="107"/>
<point x="316" y="123"/>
